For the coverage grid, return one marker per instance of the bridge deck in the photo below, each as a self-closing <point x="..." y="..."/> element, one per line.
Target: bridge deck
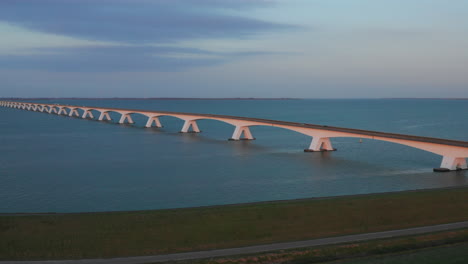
<point x="294" y="124"/>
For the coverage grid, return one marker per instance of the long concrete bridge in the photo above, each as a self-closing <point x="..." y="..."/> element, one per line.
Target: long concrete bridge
<point x="453" y="152"/>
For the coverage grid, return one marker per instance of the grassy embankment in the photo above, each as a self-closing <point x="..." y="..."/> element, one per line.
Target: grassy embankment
<point x="448" y="247"/>
<point x="91" y="235"/>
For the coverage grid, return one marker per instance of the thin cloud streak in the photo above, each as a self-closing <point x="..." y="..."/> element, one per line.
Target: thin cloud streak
<point x="138" y="21"/>
<point x="119" y="59"/>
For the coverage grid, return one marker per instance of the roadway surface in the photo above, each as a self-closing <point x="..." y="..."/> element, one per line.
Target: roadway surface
<point x="284" y="123"/>
<point x="257" y="249"/>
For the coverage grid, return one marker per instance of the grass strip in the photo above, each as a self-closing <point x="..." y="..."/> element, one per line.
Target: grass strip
<point x="117" y="234"/>
<point x="365" y="252"/>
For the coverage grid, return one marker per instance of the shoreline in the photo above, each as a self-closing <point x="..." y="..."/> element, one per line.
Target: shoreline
<point x="285" y="201"/>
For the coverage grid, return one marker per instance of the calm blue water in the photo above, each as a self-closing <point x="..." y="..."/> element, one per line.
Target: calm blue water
<point x="52" y="163"/>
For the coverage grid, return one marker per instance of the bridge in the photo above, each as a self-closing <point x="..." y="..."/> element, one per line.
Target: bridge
<point x="453" y="152"/>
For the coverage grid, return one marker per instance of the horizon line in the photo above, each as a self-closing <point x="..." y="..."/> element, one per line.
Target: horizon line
<point x="227" y="98"/>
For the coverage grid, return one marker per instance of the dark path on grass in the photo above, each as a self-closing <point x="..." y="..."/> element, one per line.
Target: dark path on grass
<point x="259" y="248"/>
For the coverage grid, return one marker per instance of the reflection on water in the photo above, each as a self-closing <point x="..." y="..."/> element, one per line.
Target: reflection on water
<point x="62" y="164"/>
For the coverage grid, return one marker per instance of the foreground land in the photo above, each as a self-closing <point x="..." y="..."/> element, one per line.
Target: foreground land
<point x="456" y="254"/>
<point x="114" y="234"/>
<point x="442" y="247"/>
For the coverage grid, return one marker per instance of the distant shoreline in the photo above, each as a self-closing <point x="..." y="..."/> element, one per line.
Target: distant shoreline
<point x="221" y="98"/>
<point x="137" y="98"/>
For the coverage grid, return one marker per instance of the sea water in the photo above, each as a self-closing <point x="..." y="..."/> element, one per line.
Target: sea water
<point x="52" y="163"/>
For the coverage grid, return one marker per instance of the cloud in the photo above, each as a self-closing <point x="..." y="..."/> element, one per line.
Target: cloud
<point x="138" y="21"/>
<point x="118" y="59"/>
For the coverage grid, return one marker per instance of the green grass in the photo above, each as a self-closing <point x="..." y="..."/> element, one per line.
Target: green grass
<point x="409" y="249"/>
<point x="454" y="254"/>
<point x="100" y="235"/>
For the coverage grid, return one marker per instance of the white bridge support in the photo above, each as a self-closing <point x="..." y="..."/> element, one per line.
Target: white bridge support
<point x="320" y="144"/>
<point x="87" y="113"/>
<point x="126" y="117"/>
<point x="62" y="110"/>
<point x="104" y="116"/>
<point x="154" y="120"/>
<point x="52" y="109"/>
<point x="242" y="130"/>
<point x="74" y="112"/>
<point x="190" y="124"/>
<point x="453" y="163"/>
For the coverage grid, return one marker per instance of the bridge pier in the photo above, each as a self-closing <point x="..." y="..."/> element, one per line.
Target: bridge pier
<point x="87" y="113"/>
<point x="188" y="124"/>
<point x="52" y="109"/>
<point x="239" y="130"/>
<point x="62" y="110"/>
<point x="451" y="164"/>
<point x="74" y="112"/>
<point x="104" y="116"/>
<point x="320" y="144"/>
<point x="126" y="117"/>
<point x="154" y="119"/>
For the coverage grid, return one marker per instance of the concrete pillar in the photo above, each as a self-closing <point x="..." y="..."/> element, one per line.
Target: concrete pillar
<point x="88" y="113"/>
<point x="319" y="144"/>
<point x="62" y="110"/>
<point x="242" y="130"/>
<point x="188" y="124"/>
<point x="452" y="163"/>
<point x="52" y="109"/>
<point x="154" y="119"/>
<point x="104" y="116"/>
<point x="74" y="112"/>
<point x="126" y="117"/>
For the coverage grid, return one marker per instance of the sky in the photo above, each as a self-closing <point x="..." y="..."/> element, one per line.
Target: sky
<point x="234" y="48"/>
